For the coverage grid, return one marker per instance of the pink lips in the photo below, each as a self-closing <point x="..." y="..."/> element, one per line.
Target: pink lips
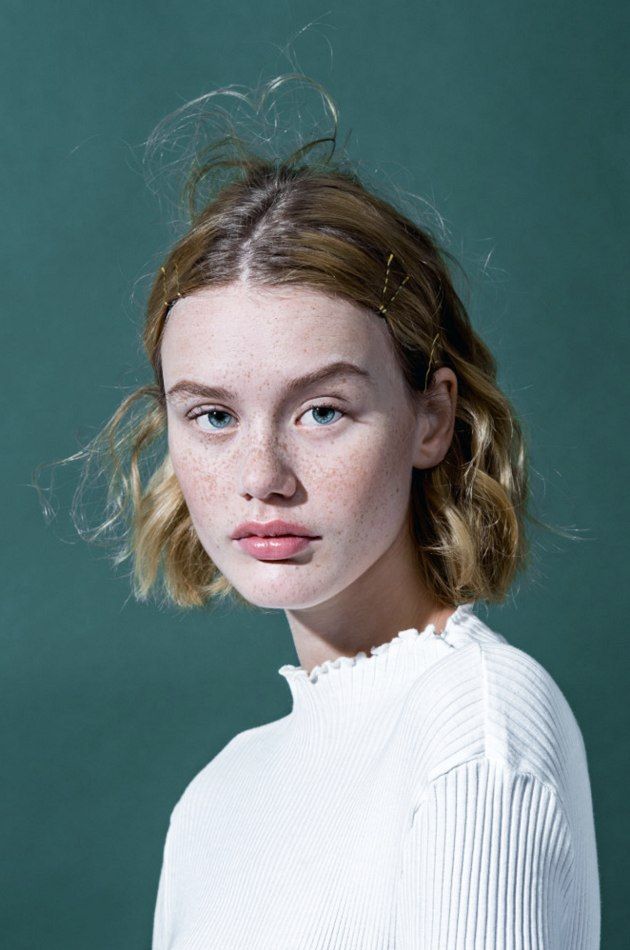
<point x="272" y="540"/>
<point x="271" y="529"/>
<point x="274" y="549"/>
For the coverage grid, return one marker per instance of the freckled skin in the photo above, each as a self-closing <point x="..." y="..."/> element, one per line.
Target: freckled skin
<point x="262" y="456"/>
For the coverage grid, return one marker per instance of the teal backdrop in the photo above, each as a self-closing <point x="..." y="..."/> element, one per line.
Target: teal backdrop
<point x="511" y="120"/>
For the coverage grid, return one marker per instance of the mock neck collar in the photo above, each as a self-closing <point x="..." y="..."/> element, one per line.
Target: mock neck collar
<point x="349" y="683"/>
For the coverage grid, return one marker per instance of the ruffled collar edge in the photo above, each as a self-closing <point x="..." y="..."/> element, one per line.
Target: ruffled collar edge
<point x="291" y="671"/>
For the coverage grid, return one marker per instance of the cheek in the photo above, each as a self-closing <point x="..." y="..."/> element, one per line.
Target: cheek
<point x="367" y="487"/>
<point x="204" y="490"/>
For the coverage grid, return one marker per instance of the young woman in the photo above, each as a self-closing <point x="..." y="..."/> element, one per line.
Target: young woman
<point x="338" y="448"/>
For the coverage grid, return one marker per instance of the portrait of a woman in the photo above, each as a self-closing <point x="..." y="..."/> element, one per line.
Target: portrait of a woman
<point x="339" y="449"/>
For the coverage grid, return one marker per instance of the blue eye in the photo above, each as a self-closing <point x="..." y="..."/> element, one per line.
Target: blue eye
<point x="321" y="409"/>
<point x="326" y="411"/>
<point x="211" y="412"/>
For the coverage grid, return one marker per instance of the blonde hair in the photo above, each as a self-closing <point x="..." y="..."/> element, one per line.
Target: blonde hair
<point x="308" y="221"/>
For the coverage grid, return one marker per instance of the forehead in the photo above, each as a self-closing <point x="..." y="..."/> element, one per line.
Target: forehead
<point x="242" y="331"/>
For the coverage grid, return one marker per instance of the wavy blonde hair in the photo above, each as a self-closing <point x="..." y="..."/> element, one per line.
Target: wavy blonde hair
<point x="310" y="221"/>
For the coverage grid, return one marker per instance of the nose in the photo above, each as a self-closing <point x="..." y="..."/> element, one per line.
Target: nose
<point x="266" y="469"/>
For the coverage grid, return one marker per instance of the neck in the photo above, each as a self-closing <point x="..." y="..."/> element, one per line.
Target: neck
<point x="388" y="597"/>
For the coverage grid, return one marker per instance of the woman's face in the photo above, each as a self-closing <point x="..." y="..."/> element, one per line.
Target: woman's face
<point x="334" y="455"/>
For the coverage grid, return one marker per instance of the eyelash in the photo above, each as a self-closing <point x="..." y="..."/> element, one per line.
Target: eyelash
<point x="196" y="414"/>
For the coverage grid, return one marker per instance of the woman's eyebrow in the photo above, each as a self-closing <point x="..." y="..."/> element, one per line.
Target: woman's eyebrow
<point x="189" y="387"/>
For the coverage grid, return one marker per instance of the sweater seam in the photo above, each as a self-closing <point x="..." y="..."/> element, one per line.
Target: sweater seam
<point x="501" y="761"/>
<point x="501" y="758"/>
<point x="504" y="764"/>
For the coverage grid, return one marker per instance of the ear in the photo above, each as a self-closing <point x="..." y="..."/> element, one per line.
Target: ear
<point x="435" y="419"/>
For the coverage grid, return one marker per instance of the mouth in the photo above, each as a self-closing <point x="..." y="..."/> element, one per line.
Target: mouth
<point x="274" y="547"/>
<point x="272" y="529"/>
<point x="285" y="534"/>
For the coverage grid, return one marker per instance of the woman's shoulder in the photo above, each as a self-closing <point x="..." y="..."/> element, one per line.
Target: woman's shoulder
<point x="241" y="755"/>
<point x="487" y="697"/>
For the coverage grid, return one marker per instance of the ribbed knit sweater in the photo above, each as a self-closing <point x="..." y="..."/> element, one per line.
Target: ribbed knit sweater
<point x="433" y="794"/>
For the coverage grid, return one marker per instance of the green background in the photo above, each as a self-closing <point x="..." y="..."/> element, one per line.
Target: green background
<point x="505" y="117"/>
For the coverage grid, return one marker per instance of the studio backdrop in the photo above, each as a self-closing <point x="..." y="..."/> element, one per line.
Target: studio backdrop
<point x="501" y="126"/>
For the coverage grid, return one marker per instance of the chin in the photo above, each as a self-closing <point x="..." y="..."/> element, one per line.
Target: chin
<point x="281" y="587"/>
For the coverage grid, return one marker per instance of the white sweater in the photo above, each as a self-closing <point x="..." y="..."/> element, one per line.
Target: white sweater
<point x="431" y="795"/>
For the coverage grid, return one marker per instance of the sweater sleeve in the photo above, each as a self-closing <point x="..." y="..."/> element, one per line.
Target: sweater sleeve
<point x="488" y="864"/>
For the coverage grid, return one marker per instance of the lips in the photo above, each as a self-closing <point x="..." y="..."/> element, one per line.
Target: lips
<point x="271" y="529"/>
<point x="278" y="548"/>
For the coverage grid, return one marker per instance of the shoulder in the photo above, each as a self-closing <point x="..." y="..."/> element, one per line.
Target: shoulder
<point x="487" y="698"/>
<point x="241" y="756"/>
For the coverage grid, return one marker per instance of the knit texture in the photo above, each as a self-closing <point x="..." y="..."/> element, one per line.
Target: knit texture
<point x="433" y="794"/>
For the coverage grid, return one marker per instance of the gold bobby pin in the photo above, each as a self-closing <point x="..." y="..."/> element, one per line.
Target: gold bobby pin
<point x="435" y="339"/>
<point x="177" y="278"/>
<point x="382" y="308"/>
<point x="167" y="302"/>
<point x="389" y="260"/>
